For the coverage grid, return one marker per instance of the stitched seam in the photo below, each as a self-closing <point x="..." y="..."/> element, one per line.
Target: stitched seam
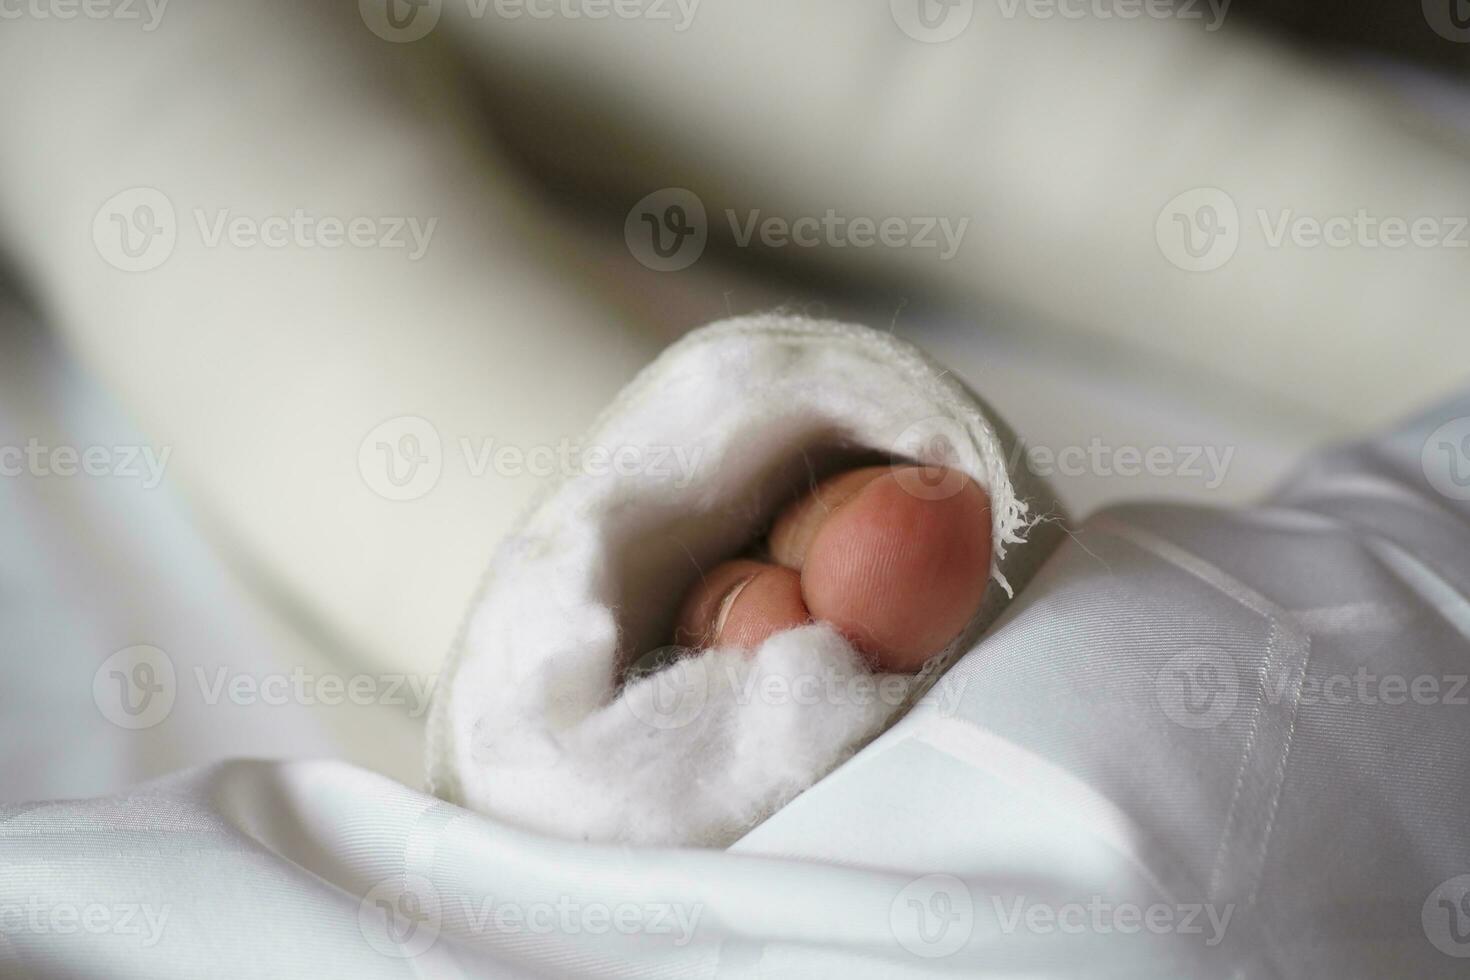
<point x="1227" y="833"/>
<point x="1278" y="781"/>
<point x="1280" y="623"/>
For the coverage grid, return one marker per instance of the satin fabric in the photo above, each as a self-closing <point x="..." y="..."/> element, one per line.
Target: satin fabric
<point x="1199" y="743"/>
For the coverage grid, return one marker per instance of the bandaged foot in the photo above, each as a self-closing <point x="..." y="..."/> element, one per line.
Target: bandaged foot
<point x="625" y="675"/>
<point x="898" y="572"/>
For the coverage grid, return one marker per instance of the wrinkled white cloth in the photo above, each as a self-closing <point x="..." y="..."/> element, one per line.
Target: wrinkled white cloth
<point x="1198" y="743"/>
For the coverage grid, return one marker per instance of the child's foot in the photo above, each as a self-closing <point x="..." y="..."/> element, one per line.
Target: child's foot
<point x="899" y="571"/>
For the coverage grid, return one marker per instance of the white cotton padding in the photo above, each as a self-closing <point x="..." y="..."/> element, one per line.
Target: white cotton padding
<point x="535" y="721"/>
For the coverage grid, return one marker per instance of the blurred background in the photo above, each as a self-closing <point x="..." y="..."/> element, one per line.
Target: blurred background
<point x="302" y="302"/>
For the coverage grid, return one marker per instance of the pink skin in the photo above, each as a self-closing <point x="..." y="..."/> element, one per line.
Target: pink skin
<point x="898" y="568"/>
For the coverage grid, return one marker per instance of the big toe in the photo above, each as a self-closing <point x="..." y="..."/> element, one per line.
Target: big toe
<point x="898" y="568"/>
<point x="896" y="558"/>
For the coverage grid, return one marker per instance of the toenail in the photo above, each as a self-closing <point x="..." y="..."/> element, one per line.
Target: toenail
<point x="727" y="603"/>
